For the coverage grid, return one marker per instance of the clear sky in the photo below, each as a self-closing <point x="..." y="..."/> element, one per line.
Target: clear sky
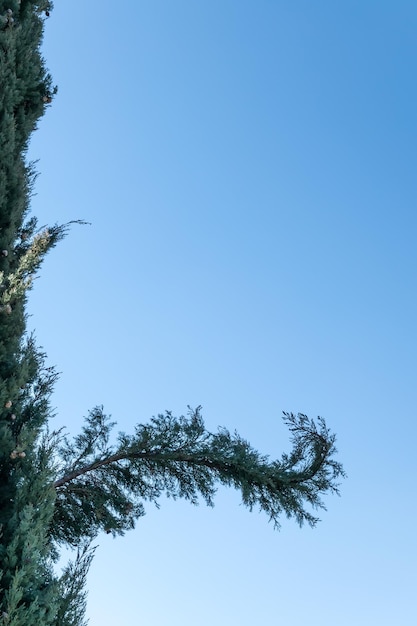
<point x="249" y="170"/>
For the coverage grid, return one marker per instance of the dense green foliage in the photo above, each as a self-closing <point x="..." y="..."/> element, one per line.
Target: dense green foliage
<point x="102" y="487"/>
<point x="56" y="492"/>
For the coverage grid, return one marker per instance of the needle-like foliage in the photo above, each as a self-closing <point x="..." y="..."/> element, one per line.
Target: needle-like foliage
<point x="103" y="487"/>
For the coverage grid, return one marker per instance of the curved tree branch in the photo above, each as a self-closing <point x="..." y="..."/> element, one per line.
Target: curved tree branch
<point x="104" y="488"/>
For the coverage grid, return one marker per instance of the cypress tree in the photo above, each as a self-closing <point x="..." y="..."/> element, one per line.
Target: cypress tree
<point x="28" y="585"/>
<point x="57" y="492"/>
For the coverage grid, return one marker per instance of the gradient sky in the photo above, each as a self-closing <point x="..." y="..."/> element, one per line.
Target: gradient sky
<point x="249" y="170"/>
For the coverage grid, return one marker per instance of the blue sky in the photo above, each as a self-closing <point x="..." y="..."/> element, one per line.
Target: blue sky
<point x="249" y="173"/>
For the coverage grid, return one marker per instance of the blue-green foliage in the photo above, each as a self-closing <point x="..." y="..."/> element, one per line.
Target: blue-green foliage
<point x="103" y="487"/>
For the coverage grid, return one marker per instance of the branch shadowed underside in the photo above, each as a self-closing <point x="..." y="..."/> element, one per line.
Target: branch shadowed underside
<point x="103" y="487"/>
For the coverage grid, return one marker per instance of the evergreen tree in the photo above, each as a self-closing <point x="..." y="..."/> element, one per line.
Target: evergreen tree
<point x="28" y="586"/>
<point x="57" y="492"/>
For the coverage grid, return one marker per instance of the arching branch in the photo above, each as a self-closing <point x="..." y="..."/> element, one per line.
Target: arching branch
<point x="104" y="488"/>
